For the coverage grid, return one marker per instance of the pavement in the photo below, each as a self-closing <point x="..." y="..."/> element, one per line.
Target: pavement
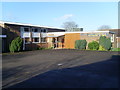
<point x="61" y="69"/>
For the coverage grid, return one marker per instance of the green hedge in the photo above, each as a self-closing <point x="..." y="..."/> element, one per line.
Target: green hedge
<point x="115" y="49"/>
<point x="80" y="44"/>
<point x="94" y="45"/>
<point x="16" y="45"/>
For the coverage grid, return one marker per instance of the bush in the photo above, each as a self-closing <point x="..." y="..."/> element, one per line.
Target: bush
<point x="105" y="42"/>
<point x="40" y="48"/>
<point x="101" y="48"/>
<point x="80" y="44"/>
<point x="94" y="45"/>
<point x="16" y="45"/>
<point x="43" y="48"/>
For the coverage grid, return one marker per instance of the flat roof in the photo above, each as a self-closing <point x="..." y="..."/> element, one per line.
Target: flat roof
<point x="24" y="24"/>
<point x="77" y="32"/>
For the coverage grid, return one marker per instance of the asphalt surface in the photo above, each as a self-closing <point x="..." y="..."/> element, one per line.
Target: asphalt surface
<point x="61" y="69"/>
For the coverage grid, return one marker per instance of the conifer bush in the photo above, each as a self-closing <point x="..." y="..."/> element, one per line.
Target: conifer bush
<point x="16" y="45"/>
<point x="80" y="44"/>
<point x="105" y="42"/>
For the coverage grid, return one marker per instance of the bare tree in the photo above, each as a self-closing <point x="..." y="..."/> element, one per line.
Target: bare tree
<point x="104" y="27"/>
<point x="70" y="26"/>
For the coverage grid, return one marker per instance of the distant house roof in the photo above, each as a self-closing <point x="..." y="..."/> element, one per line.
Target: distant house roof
<point x="23" y="24"/>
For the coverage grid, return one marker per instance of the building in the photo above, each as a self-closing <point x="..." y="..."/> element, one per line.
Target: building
<point x="34" y="36"/>
<point x="67" y="39"/>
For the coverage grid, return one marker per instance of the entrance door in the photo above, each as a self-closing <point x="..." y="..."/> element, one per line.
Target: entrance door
<point x="55" y="45"/>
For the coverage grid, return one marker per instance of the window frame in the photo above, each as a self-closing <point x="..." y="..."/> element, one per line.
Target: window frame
<point x="33" y="30"/>
<point x="28" y="29"/>
<point x="25" y="40"/>
<point x="112" y="38"/>
<point x="34" y="40"/>
<point x="44" y="38"/>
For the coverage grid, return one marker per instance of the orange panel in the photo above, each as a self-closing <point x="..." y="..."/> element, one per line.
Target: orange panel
<point x="70" y="39"/>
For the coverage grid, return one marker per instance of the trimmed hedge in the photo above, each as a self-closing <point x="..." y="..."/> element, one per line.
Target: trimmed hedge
<point x="105" y="42"/>
<point x="94" y="45"/>
<point x="80" y="44"/>
<point x="16" y="45"/>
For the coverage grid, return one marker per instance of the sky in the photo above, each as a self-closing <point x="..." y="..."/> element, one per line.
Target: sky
<point x="88" y="15"/>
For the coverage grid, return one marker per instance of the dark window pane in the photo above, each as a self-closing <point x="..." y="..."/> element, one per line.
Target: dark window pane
<point x="26" y="29"/>
<point x="36" y="39"/>
<point x="43" y="39"/>
<point x="35" y="30"/>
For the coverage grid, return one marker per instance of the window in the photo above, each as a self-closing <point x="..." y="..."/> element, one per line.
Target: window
<point x="107" y="34"/>
<point x="26" y="29"/>
<point x="35" y="40"/>
<point x="27" y="40"/>
<point x="43" y="30"/>
<point x="112" y="38"/>
<point x="35" y="30"/>
<point x="43" y="40"/>
<point x="83" y="34"/>
<point x="93" y="34"/>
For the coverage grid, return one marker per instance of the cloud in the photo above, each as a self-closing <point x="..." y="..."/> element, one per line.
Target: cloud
<point x="64" y="17"/>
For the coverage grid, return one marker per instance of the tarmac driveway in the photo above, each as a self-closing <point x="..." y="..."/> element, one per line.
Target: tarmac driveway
<point x="61" y="69"/>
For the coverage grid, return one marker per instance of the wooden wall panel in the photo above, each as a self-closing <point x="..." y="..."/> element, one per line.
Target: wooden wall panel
<point x="70" y="39"/>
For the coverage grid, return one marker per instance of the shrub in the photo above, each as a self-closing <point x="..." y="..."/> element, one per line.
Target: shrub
<point x="94" y="45"/>
<point x="80" y="44"/>
<point x="40" y="48"/>
<point x="105" y="42"/>
<point x="16" y="45"/>
<point x="101" y="48"/>
<point x="43" y="48"/>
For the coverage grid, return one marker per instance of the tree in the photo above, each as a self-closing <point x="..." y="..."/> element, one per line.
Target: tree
<point x="70" y="26"/>
<point x="16" y="45"/>
<point x="105" y="43"/>
<point x="104" y="27"/>
<point x="80" y="44"/>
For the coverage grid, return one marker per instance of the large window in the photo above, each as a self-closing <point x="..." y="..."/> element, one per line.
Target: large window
<point x="43" y="40"/>
<point x="35" y="40"/>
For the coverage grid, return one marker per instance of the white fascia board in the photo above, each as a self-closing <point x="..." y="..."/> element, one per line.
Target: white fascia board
<point x="76" y="32"/>
<point x="32" y="25"/>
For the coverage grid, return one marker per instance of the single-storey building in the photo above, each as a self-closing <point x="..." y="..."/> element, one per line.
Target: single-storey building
<point x="67" y="39"/>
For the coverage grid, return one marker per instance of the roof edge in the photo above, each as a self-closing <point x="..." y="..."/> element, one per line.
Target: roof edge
<point x="26" y="24"/>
